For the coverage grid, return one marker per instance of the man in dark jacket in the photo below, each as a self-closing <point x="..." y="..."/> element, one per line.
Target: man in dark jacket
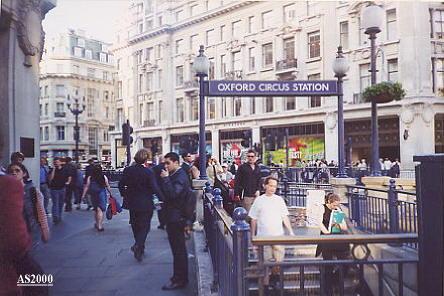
<point x="248" y="180"/>
<point x="137" y="187"/>
<point x="70" y="171"/>
<point x="176" y="186"/>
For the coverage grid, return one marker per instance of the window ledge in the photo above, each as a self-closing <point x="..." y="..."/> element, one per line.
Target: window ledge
<point x="251" y="72"/>
<point x="312" y="60"/>
<point x="267" y="69"/>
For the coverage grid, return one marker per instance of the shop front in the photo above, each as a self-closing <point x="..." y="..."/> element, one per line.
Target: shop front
<point x="189" y="143"/>
<point x="234" y="145"/>
<point x="305" y="143"/>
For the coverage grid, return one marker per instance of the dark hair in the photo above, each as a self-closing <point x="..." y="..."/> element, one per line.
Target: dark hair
<point x="141" y="156"/>
<point x="68" y="159"/>
<point x="251" y="151"/>
<point x="97" y="175"/>
<point x="269" y="178"/>
<point x="16" y="156"/>
<point x="331" y="197"/>
<point x="173" y="156"/>
<point x="57" y="158"/>
<point x="21" y="166"/>
<point x="184" y="154"/>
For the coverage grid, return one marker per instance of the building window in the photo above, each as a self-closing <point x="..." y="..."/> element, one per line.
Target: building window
<point x="60" y="107"/>
<point x="92" y="139"/>
<point x="343" y="34"/>
<point x="159" y="52"/>
<point x="289" y="13"/>
<point x="314" y="45"/>
<point x="107" y="112"/>
<point x="223" y="33"/>
<point x="179" y="75"/>
<point x="90" y="102"/>
<point x="267" y="55"/>
<point x="119" y="89"/>
<point x="194" y="108"/>
<point x="149" y="81"/>
<point x="237" y="106"/>
<point x="364" y="76"/>
<point x="149" y="54"/>
<point x="141" y="114"/>
<point x="236" y="61"/>
<point x="102" y="57"/>
<point x="193" y="10"/>
<point x="46" y="90"/>
<point x="268" y="104"/>
<point x="223" y="101"/>
<point x="438" y="24"/>
<point x="159" y="79"/>
<point x="223" y="65"/>
<point x="160" y="111"/>
<point x="91" y="72"/>
<point x="78" y="52"/>
<point x="439" y="68"/>
<point x="88" y="54"/>
<point x="149" y="24"/>
<point x="193" y="42"/>
<point x="392" y="66"/>
<point x="76" y="69"/>
<point x="46" y="109"/>
<point x="105" y="75"/>
<point x="251" y="24"/>
<point x="210" y="37"/>
<point x="290" y="103"/>
<point x="315" y="101"/>
<point x="80" y="42"/>
<point x="391" y="25"/>
<point x="160" y="21"/>
<point x="179" y="15"/>
<point x="211" y="72"/>
<point x="179" y="46"/>
<point x="179" y="110"/>
<point x="150" y="111"/>
<point x="106" y="95"/>
<point x="60" y="90"/>
<point x="267" y="19"/>
<point x="140" y="83"/>
<point x="251" y="59"/>
<point x="362" y="36"/>
<point x="236" y="29"/>
<point x="252" y="105"/>
<point x="46" y="133"/>
<point x="60" y="133"/>
<point x="211" y="108"/>
<point x="289" y="49"/>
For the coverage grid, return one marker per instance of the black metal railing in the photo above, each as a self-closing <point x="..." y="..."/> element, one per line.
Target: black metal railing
<point x="59" y="114"/>
<point x="295" y="194"/>
<point x="383" y="211"/>
<point x="237" y="271"/>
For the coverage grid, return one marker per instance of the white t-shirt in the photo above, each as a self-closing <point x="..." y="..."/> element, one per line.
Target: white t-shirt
<point x="269" y="212"/>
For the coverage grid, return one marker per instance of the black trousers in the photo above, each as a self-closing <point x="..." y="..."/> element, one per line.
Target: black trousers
<point x="176" y="237"/>
<point x="140" y="224"/>
<point x="331" y="276"/>
<point x="68" y="197"/>
<point x="161" y="214"/>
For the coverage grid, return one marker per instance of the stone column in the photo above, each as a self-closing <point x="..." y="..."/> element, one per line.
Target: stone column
<point x="215" y="144"/>
<point x="331" y="137"/>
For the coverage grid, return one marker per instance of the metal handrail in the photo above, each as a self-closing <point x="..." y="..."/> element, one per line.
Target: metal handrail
<point x="339" y="238"/>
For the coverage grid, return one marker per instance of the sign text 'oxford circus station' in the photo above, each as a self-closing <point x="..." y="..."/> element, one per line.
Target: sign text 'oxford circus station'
<point x="271" y="88"/>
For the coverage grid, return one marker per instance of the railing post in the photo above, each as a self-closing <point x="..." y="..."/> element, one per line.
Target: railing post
<point x="218" y="200"/>
<point x="430" y="192"/>
<point x="393" y="207"/>
<point x="241" y="231"/>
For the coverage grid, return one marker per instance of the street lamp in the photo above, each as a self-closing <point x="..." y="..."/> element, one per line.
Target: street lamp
<point x="76" y="112"/>
<point x="201" y="66"/>
<point x="371" y="20"/>
<point x="340" y="67"/>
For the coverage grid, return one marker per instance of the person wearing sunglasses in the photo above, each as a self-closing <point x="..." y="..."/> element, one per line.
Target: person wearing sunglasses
<point x="248" y="180"/>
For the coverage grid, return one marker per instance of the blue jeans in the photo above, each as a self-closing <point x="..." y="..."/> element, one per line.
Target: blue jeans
<point x="58" y="197"/>
<point x="44" y="189"/>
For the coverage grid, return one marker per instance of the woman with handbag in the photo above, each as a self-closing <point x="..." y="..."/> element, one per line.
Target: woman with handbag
<point x="33" y="209"/>
<point x="96" y="185"/>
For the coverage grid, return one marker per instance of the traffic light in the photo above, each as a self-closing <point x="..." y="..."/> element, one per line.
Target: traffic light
<point x="127" y="130"/>
<point x="246" y="139"/>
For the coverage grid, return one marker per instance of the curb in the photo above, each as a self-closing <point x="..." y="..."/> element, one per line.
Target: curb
<point x="204" y="266"/>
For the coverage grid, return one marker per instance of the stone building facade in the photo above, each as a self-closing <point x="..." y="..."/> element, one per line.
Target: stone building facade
<point x="76" y="67"/>
<point x="21" y="48"/>
<point x="279" y="40"/>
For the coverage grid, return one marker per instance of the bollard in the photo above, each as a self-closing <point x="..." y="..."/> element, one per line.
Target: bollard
<point x="207" y="187"/>
<point x="241" y="231"/>
<point x="218" y="200"/>
<point x="430" y="199"/>
<point x="393" y="207"/>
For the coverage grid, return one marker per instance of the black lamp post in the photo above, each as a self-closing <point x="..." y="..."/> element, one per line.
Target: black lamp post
<point x="340" y="67"/>
<point x="201" y="66"/>
<point x="76" y="112"/>
<point x="371" y="19"/>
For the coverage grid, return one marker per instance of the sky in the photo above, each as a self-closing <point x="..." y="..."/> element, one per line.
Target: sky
<point x="97" y="17"/>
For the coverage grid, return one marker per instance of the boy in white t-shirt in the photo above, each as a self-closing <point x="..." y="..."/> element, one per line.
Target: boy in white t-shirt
<point x="268" y="213"/>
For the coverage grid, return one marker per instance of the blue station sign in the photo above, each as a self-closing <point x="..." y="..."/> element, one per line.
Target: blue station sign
<point x="271" y="88"/>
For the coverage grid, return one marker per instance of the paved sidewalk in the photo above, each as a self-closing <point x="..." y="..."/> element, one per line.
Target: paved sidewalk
<point x="86" y="262"/>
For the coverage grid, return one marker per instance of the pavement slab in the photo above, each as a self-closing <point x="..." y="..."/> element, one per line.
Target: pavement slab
<point x="86" y="262"/>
